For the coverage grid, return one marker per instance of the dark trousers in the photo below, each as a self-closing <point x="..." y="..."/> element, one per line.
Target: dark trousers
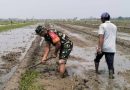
<point x="109" y="59"/>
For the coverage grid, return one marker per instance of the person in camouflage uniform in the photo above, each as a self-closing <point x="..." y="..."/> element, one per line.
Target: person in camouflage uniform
<point x="64" y="45"/>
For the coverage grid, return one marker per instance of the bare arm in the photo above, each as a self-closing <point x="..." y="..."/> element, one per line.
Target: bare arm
<point x="57" y="47"/>
<point x="100" y="43"/>
<point x="46" y="52"/>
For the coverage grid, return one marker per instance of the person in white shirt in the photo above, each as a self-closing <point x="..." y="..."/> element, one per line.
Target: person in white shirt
<point x="106" y="44"/>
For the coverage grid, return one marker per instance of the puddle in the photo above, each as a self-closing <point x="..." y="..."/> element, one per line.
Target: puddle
<point x="15" y="38"/>
<point x="125" y="36"/>
<point x="18" y="41"/>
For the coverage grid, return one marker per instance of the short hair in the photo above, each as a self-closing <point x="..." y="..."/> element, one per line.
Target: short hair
<point x="39" y="29"/>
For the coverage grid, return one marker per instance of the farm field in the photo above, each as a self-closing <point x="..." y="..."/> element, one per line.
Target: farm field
<point x="21" y="48"/>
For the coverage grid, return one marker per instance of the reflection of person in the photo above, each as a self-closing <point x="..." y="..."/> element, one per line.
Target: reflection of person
<point x="107" y="43"/>
<point x="61" y="42"/>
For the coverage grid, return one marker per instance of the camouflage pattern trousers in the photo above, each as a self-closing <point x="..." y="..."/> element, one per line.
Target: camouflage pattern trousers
<point x="65" y="50"/>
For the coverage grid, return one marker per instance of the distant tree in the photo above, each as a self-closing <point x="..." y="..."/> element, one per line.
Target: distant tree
<point x="75" y="18"/>
<point x="11" y="22"/>
<point x="120" y="17"/>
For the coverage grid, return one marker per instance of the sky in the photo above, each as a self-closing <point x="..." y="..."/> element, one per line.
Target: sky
<point x="59" y="9"/>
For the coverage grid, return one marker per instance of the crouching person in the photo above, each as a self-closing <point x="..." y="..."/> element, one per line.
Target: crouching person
<point x="61" y="42"/>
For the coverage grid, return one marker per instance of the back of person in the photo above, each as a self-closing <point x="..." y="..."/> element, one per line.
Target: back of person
<point x="63" y="37"/>
<point x="106" y="44"/>
<point x="109" y="30"/>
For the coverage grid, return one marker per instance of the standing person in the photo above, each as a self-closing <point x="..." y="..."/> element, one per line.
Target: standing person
<point x="61" y="42"/>
<point x="106" y="44"/>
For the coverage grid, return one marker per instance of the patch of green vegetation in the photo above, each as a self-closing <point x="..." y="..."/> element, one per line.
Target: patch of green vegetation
<point x="28" y="81"/>
<point x="5" y="22"/>
<point x="13" y="26"/>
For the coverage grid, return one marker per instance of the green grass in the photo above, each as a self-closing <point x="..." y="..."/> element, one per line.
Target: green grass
<point x="13" y="26"/>
<point x="28" y="81"/>
<point x="4" y="22"/>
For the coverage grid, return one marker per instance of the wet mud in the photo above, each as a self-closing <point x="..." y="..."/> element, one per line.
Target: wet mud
<point x="13" y="83"/>
<point x="14" y="44"/>
<point x="80" y="73"/>
<point x="86" y="69"/>
<point x="10" y="59"/>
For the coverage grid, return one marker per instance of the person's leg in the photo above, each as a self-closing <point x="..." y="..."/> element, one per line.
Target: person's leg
<point x="97" y="60"/>
<point x="110" y="60"/>
<point x="62" y="67"/>
<point x="63" y="56"/>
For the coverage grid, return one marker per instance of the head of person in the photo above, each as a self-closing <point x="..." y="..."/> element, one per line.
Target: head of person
<point x="40" y="30"/>
<point x="105" y="17"/>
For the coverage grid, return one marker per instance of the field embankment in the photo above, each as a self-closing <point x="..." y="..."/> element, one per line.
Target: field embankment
<point x="4" y="26"/>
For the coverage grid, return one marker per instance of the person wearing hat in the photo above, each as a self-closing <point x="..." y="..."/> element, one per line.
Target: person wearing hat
<point x="61" y="42"/>
<point x="106" y="43"/>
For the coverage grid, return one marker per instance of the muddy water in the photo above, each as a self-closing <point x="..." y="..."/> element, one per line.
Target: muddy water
<point x="78" y="67"/>
<point x="121" y="35"/>
<point x="14" y="41"/>
<point x="81" y="64"/>
<point x="125" y="36"/>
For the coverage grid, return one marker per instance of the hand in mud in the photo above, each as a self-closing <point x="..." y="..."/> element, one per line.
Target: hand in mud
<point x="43" y="61"/>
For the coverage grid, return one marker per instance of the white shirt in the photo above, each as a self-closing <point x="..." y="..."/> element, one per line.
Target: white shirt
<point x="109" y="31"/>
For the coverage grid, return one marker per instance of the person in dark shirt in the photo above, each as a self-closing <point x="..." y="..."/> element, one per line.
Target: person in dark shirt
<point x="61" y="42"/>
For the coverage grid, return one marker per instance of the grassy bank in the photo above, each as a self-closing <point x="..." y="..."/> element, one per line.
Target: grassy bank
<point x="6" y="27"/>
<point x="28" y="81"/>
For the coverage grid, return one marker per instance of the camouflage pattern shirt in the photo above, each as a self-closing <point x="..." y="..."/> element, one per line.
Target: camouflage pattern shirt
<point x="63" y="38"/>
